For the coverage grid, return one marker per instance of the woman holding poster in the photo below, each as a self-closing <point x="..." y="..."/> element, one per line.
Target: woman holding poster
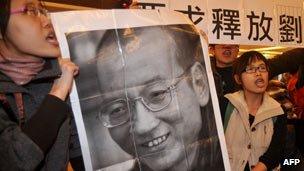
<point x="34" y="117"/>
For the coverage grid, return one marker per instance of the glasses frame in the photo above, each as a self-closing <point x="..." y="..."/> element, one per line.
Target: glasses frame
<point x="169" y="89"/>
<point x="255" y="69"/>
<point x="38" y="11"/>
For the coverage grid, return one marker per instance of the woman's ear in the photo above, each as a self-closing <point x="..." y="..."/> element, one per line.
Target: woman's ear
<point x="200" y="83"/>
<point x="237" y="79"/>
<point x="211" y="50"/>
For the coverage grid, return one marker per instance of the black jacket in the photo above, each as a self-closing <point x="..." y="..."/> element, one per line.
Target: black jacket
<point x="44" y="145"/>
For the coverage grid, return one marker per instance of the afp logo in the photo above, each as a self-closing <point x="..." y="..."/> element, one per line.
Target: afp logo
<point x="290" y="162"/>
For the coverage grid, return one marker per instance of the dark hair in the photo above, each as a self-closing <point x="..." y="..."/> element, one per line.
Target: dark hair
<point x="240" y="64"/>
<point x="5" y="6"/>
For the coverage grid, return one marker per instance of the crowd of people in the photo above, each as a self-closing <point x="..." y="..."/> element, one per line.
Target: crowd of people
<point x="38" y="132"/>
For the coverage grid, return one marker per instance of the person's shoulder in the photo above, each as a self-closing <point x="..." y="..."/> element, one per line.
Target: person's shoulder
<point x="237" y="94"/>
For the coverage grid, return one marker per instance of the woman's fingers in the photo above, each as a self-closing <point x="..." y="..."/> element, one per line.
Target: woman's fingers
<point x="63" y="85"/>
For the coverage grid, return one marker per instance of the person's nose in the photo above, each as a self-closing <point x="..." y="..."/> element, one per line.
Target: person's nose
<point x="257" y="71"/>
<point x="144" y="121"/>
<point x="45" y="21"/>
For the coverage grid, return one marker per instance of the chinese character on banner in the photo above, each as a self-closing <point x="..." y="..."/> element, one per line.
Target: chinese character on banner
<point x="195" y="10"/>
<point x="190" y="12"/>
<point x="227" y="21"/>
<point x="147" y="5"/>
<point x="290" y="28"/>
<point x="258" y="23"/>
<point x="289" y="24"/>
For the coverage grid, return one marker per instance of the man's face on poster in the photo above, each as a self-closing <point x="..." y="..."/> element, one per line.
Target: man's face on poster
<point x="151" y="104"/>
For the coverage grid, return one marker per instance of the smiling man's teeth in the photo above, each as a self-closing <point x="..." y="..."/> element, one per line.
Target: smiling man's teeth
<point x="157" y="141"/>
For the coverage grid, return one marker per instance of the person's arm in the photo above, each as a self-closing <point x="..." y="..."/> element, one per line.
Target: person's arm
<point x="43" y="127"/>
<point x="48" y="119"/>
<point x="25" y="149"/>
<point x="287" y="62"/>
<point x="275" y="152"/>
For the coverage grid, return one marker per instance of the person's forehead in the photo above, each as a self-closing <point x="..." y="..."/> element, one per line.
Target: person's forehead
<point x="136" y="71"/>
<point x="144" y="58"/>
<point x="17" y="3"/>
<point x="225" y="45"/>
<point x="256" y="62"/>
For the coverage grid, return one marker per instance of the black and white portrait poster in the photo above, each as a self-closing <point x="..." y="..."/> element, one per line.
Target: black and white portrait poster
<point x="145" y="97"/>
